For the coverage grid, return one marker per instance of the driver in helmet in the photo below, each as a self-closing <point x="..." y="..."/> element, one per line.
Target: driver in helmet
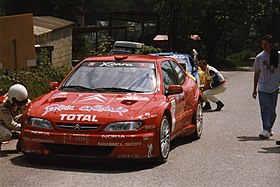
<point x="11" y="106"/>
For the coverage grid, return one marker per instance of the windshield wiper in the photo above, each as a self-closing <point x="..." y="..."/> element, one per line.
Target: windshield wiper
<point x="115" y="89"/>
<point x="76" y="87"/>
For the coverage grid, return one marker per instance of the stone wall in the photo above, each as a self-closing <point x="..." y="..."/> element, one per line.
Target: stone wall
<point x="61" y="40"/>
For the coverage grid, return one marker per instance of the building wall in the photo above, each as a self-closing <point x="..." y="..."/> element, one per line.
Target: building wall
<point x="61" y="40"/>
<point x="17" y="42"/>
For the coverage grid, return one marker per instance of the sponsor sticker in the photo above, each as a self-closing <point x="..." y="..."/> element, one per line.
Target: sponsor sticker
<point x="119" y="144"/>
<point x="78" y="117"/>
<point x="57" y="107"/>
<point x="173" y="112"/>
<point x="101" y="108"/>
<point x="133" y="97"/>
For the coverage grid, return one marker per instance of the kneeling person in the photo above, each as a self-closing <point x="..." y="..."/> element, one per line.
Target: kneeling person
<point x="11" y="105"/>
<point x="216" y="83"/>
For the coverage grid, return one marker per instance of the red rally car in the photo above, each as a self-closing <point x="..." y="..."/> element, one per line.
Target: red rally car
<point x="115" y="106"/>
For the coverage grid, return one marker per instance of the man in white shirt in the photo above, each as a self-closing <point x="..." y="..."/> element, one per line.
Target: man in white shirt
<point x="266" y="80"/>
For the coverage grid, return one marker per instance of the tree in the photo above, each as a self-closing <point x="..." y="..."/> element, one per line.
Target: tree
<point x="221" y="24"/>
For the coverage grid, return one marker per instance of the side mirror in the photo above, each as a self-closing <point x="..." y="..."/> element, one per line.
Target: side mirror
<point x="53" y="85"/>
<point x="174" y="89"/>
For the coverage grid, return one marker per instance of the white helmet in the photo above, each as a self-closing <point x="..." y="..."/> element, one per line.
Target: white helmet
<point x="18" y="94"/>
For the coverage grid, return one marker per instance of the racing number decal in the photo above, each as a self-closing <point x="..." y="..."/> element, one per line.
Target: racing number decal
<point x="173" y="112"/>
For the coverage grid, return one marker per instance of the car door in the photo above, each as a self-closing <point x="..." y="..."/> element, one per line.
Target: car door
<point x="170" y="77"/>
<point x="188" y="85"/>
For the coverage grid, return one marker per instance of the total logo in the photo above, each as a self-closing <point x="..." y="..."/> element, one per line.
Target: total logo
<point x="78" y="117"/>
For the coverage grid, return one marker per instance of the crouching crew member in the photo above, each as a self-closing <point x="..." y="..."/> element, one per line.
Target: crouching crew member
<point x="11" y="106"/>
<point x="216" y="85"/>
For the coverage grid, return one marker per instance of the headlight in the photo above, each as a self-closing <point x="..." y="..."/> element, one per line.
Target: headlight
<point x="41" y="123"/>
<point x="124" y="126"/>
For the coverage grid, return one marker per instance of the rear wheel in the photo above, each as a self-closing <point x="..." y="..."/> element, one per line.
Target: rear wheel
<point x="198" y="121"/>
<point x="164" y="140"/>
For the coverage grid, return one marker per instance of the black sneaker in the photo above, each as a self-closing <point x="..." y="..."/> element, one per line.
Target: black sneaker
<point x="277" y="142"/>
<point x="207" y="106"/>
<point x="220" y="105"/>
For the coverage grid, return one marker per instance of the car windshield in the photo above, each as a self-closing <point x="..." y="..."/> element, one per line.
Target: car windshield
<point x="136" y="77"/>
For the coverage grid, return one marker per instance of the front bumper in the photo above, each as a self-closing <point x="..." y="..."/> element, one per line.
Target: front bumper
<point x="97" y="145"/>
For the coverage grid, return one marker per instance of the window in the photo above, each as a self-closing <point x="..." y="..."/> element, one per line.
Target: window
<point x="168" y="75"/>
<point x="181" y="74"/>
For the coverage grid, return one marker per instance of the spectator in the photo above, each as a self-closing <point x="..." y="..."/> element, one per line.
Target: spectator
<point x="10" y="107"/>
<point x="266" y="80"/>
<point x="216" y="85"/>
<point x="194" y="55"/>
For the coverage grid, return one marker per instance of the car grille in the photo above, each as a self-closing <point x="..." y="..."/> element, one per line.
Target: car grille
<point x="75" y="126"/>
<point x="78" y="150"/>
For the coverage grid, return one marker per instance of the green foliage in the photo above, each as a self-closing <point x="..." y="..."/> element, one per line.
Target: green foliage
<point x="105" y="45"/>
<point x="36" y="80"/>
<point x="148" y="50"/>
<point x="242" y="58"/>
<point x="84" y="46"/>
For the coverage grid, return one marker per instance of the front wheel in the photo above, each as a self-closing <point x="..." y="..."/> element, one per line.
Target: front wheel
<point x="164" y="140"/>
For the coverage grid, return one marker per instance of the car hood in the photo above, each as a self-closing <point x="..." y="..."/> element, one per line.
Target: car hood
<point x="91" y="107"/>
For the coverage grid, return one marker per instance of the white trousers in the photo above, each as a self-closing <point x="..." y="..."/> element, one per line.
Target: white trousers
<point x="210" y="94"/>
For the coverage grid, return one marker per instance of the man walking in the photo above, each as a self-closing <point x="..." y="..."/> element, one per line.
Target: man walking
<point x="266" y="79"/>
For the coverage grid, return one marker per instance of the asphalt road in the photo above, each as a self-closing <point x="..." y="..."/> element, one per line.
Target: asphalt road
<point x="229" y="153"/>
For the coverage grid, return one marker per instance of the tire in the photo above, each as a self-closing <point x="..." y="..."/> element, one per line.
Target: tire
<point x="164" y="140"/>
<point x="198" y="121"/>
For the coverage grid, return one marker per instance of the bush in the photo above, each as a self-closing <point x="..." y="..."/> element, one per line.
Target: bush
<point x="148" y="50"/>
<point x="242" y="58"/>
<point x="36" y="80"/>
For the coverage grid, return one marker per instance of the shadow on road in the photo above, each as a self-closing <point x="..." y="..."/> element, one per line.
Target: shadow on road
<point x="270" y="150"/>
<point x="89" y="165"/>
<point x="252" y="138"/>
<point x="5" y="153"/>
<point x="82" y="164"/>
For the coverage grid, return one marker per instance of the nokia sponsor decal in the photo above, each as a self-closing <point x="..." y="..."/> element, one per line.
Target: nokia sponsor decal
<point x="57" y="107"/>
<point x="112" y="137"/>
<point x="78" y="117"/>
<point x="101" y="108"/>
